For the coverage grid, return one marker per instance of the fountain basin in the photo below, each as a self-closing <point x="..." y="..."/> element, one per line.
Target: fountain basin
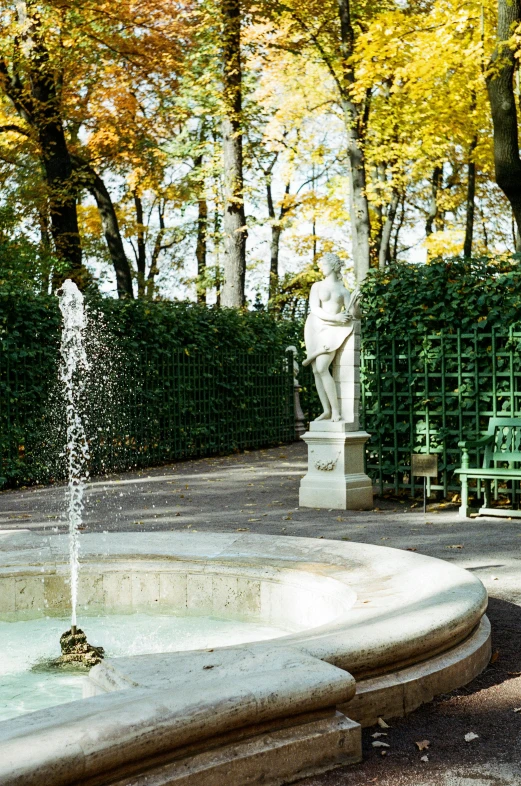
<point x="403" y="626"/>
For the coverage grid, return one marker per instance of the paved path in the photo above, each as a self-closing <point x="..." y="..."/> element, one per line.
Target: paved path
<point x="258" y="491"/>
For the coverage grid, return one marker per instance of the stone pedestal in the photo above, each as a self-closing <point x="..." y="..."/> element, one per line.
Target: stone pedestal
<point x="335" y="476"/>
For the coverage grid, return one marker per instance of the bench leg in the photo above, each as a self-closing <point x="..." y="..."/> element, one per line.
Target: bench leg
<point x="486" y="493"/>
<point x="464" y="509"/>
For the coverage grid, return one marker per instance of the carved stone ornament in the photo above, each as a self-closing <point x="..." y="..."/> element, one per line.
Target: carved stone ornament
<point x="326" y="466"/>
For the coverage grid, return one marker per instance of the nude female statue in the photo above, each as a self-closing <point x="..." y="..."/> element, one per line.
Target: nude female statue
<point x="329" y="324"/>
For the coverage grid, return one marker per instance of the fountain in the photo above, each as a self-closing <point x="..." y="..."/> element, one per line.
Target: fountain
<point x="73" y="368"/>
<point x="340" y="634"/>
<point x="396" y="626"/>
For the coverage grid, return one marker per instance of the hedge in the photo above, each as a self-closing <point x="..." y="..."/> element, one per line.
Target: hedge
<point x="169" y="381"/>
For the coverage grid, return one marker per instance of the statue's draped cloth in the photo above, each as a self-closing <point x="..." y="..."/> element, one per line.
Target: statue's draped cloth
<point x="321" y="338"/>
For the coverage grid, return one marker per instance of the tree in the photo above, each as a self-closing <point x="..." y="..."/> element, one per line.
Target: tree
<point x="356" y="117"/>
<point x="330" y="30"/>
<point x="500" y="87"/>
<point x="363" y="128"/>
<point x="92" y="182"/>
<point x="234" y="220"/>
<point x="127" y="115"/>
<point x="31" y="83"/>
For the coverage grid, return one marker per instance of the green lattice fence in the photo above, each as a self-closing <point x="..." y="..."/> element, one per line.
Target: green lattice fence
<point x="424" y="396"/>
<point x="155" y="408"/>
<point x="181" y="405"/>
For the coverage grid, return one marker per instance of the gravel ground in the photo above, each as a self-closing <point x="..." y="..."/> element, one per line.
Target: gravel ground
<point x="258" y="492"/>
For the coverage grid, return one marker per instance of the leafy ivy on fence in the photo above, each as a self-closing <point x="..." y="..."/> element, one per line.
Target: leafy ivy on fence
<point x="424" y="396"/>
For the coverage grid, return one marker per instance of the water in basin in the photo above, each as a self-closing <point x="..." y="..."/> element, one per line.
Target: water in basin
<point x="26" y="643"/>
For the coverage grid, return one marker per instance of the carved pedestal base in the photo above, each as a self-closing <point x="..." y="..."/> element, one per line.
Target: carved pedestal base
<point x="335" y="476"/>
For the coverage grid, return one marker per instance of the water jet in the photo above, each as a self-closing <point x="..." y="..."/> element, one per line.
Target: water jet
<point x="74" y="367"/>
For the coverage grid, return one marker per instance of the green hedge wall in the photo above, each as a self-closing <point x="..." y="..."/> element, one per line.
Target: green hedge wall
<point x="441" y="355"/>
<point x="160" y="365"/>
<point x="169" y="381"/>
<point x="407" y="300"/>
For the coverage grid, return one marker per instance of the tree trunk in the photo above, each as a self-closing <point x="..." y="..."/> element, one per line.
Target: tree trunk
<point x="274" y="245"/>
<point x="355" y="120"/>
<point x="471" y="197"/>
<point x="200" y="249"/>
<point x="156" y="251"/>
<point x="276" y="232"/>
<point x="90" y="179"/>
<point x="234" y="220"/>
<point x="217" y="254"/>
<point x="398" y="229"/>
<point x="384" y="250"/>
<point x="202" y="234"/>
<point x="360" y="220"/>
<point x="503" y="106"/>
<point x="379" y="176"/>
<point x="141" y="256"/>
<point x="109" y="221"/>
<point x="62" y="202"/>
<point x="436" y="184"/>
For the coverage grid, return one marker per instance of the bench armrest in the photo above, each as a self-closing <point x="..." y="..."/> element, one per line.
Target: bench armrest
<point x="473" y="443"/>
<point x="476" y="443"/>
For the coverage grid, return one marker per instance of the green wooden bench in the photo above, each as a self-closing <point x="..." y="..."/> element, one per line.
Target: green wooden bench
<point x="502" y="445"/>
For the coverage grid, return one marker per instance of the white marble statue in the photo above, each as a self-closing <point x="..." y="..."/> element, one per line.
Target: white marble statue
<point x="332" y="311"/>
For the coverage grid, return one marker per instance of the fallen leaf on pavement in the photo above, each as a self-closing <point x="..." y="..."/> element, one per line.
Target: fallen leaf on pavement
<point x="456" y="546"/>
<point x="471" y="736"/>
<point x="516" y="709"/>
<point x="494" y="656"/>
<point x="383" y="724"/>
<point x="424" y="758"/>
<point x="422" y="745"/>
<point x="382" y="733"/>
<point x="411" y="549"/>
<point x="243" y="529"/>
<point x="380" y="744"/>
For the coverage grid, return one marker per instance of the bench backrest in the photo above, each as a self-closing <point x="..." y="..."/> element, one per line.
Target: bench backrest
<point x="507" y="441"/>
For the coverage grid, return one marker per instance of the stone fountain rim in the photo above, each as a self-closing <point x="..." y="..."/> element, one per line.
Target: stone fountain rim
<point x="409" y="607"/>
<point x="160" y="704"/>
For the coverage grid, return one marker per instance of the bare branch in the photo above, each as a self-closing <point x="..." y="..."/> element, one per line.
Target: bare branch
<point x="14" y="129"/>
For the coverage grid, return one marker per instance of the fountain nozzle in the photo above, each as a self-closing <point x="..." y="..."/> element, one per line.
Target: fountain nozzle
<point x="76" y="650"/>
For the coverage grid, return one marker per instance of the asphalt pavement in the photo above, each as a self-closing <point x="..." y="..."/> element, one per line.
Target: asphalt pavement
<point x="257" y="491"/>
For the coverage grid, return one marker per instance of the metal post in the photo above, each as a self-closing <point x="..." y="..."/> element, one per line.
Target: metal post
<point x="300" y="428"/>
